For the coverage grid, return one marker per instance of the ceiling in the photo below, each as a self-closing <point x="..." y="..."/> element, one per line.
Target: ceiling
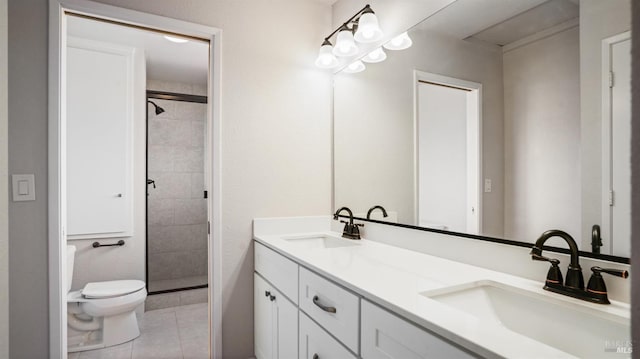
<point x="166" y="61"/>
<point x="500" y="22"/>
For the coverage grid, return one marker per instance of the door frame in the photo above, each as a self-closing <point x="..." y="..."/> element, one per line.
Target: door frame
<point x="474" y="142"/>
<point x="57" y="158"/>
<point x="606" y="214"/>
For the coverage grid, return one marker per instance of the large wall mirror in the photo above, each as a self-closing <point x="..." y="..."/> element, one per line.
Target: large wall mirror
<point x="500" y="121"/>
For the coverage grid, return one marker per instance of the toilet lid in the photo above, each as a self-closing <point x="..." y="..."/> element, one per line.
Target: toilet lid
<point x="111" y="288"/>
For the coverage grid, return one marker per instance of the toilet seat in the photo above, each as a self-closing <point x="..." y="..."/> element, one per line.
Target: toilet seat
<point x="111" y="289"/>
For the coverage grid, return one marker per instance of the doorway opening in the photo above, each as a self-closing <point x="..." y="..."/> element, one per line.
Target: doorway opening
<point x="82" y="249"/>
<point x="448" y="125"/>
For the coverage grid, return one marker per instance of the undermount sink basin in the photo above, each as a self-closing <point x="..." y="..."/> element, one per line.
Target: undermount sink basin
<point x="320" y="241"/>
<point x="577" y="330"/>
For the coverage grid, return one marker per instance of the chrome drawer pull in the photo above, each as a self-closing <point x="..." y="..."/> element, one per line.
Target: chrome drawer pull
<point x="316" y="301"/>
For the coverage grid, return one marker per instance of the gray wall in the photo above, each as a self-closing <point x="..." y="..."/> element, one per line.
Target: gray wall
<point x="542" y="137"/>
<point x="276" y="110"/>
<point x="28" y="281"/>
<point x="598" y="20"/>
<point x="4" y="232"/>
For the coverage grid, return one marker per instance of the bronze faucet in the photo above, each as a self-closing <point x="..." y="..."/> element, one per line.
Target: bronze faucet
<point x="596" y="291"/>
<point x="350" y="230"/>
<point x="384" y="211"/>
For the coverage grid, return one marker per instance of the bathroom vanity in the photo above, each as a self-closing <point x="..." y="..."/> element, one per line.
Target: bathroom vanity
<point x="318" y="295"/>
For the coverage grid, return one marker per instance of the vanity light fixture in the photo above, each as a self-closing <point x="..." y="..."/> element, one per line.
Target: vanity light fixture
<point x="326" y="59"/>
<point x="354" y="67"/>
<point x="364" y="24"/>
<point x="178" y="40"/>
<point x="400" y="42"/>
<point x="368" y="29"/>
<point x="345" y="44"/>
<point x="377" y="55"/>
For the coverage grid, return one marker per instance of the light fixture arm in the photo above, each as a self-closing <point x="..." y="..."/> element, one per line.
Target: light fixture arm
<point x="353" y="21"/>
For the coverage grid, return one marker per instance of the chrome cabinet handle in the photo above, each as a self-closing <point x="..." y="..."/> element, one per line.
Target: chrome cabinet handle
<point x="315" y="356"/>
<point x="316" y="301"/>
<point x="267" y="293"/>
<point x="119" y="195"/>
<point x="272" y="297"/>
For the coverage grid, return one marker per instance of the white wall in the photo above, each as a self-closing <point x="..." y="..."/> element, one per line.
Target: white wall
<point x="598" y="20"/>
<point x="4" y="199"/>
<point x="542" y="137"/>
<point x="373" y="125"/>
<point x="276" y="150"/>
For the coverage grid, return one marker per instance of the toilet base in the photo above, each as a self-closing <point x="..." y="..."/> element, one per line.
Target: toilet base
<point x="116" y="329"/>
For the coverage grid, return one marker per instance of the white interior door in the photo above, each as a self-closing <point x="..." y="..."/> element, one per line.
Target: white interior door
<point x="621" y="148"/>
<point x="616" y="145"/>
<point x="447" y="157"/>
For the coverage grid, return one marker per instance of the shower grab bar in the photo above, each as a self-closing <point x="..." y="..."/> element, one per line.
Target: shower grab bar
<point x="118" y="243"/>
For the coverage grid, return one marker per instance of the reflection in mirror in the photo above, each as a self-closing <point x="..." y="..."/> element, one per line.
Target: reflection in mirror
<point x="499" y="121"/>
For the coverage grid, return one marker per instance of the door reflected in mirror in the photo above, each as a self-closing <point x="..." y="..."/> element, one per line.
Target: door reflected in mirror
<point x="552" y="131"/>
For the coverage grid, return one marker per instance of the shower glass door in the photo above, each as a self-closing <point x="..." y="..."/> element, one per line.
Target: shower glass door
<point x="176" y="196"/>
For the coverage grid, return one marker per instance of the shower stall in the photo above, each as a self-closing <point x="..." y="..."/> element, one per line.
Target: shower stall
<point x="176" y="195"/>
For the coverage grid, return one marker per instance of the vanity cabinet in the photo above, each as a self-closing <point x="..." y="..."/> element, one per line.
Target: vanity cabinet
<point x="315" y="343"/>
<point x="301" y="314"/>
<point x="333" y="307"/>
<point x="276" y="322"/>
<point x="387" y="336"/>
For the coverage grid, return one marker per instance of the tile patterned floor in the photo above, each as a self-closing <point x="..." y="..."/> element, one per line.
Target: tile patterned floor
<point x="172" y="333"/>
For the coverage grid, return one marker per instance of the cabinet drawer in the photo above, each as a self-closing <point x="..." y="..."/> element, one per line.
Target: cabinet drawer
<point x="315" y="343"/>
<point x="277" y="269"/>
<point x="386" y="336"/>
<point x="340" y="314"/>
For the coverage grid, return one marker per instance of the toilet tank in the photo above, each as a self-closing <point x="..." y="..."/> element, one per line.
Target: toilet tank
<point x="71" y="257"/>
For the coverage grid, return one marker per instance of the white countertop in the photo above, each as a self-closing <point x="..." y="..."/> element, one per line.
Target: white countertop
<point x="394" y="277"/>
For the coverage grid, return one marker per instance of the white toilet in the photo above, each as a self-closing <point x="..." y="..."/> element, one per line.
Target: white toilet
<point x="102" y="314"/>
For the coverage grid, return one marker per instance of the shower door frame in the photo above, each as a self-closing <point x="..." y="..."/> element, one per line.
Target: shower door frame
<point x="167" y="96"/>
<point x="57" y="157"/>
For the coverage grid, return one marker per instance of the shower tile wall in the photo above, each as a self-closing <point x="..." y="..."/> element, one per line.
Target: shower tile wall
<point x="176" y="212"/>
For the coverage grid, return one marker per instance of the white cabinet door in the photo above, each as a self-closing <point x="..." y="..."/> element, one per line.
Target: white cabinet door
<point x="99" y="114"/>
<point x="263" y="318"/>
<point x="315" y="343"/>
<point x="285" y="315"/>
<point x="386" y="336"/>
<point x="275" y="322"/>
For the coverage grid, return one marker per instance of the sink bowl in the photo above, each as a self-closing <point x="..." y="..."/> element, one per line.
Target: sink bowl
<point x="575" y="329"/>
<point x="320" y="241"/>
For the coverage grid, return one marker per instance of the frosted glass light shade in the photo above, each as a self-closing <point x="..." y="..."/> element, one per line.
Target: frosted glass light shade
<point x="326" y="59"/>
<point x="368" y="28"/>
<point x="354" y="67"/>
<point x="377" y="55"/>
<point x="400" y="42"/>
<point x="345" y="45"/>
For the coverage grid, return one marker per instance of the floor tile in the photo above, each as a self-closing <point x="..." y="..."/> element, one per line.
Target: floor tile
<point x="180" y="332"/>
<point x="122" y="351"/>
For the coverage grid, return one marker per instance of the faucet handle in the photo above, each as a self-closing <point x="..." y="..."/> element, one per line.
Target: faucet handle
<point x="539" y="257"/>
<point x="616" y="272"/>
<point x="596" y="284"/>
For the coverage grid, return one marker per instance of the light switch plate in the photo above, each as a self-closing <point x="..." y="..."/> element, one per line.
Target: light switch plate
<point x="24" y="187"/>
